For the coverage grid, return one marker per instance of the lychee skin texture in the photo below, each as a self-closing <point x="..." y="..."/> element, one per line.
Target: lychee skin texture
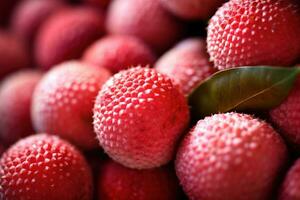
<point x="255" y="32"/>
<point x="116" y="53"/>
<point x="44" y="167"/>
<point x="14" y="55"/>
<point x="230" y="156"/>
<point x="30" y="15"/>
<point x="192" y="9"/>
<point x="187" y="64"/>
<point x="286" y="117"/>
<point x="63" y="102"/>
<point x="290" y="187"/>
<point x="118" y="182"/>
<point x="147" y="20"/>
<point x="139" y="116"/>
<point x="65" y="35"/>
<point x="15" y="105"/>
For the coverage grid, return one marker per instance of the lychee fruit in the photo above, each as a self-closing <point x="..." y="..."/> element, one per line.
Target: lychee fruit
<point x="290" y="187"/>
<point x="147" y="20"/>
<point x="192" y="9"/>
<point x="118" y="182"/>
<point x="116" y="53"/>
<point x="65" y="35"/>
<point x="44" y="167"/>
<point x="139" y="115"/>
<point x="187" y="64"/>
<point x="15" y="105"/>
<point x="14" y="55"/>
<point x="63" y="102"/>
<point x="230" y="156"/>
<point x="255" y="32"/>
<point x="30" y="15"/>
<point x="286" y="117"/>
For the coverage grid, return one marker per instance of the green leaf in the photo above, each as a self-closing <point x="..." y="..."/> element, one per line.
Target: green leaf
<point x="243" y="89"/>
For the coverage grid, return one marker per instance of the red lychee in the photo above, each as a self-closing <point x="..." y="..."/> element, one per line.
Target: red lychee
<point x="116" y="53"/>
<point x="146" y="20"/>
<point x="65" y="35"/>
<point x="286" y="117"/>
<point x="15" y="105"/>
<point x="14" y="55"/>
<point x="30" y="15"/>
<point x="139" y="115"/>
<point x="255" y="32"/>
<point x="187" y="64"/>
<point x="63" y="102"/>
<point x="44" y="167"/>
<point x="230" y="156"/>
<point x="193" y="9"/>
<point x="118" y="182"/>
<point x="290" y="187"/>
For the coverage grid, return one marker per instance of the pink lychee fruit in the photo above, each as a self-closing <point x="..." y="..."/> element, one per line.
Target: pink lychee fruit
<point x="118" y="182"/>
<point x="147" y="20"/>
<point x="65" y="35"/>
<point x="139" y="116"/>
<point x="15" y="105"/>
<point x="230" y="156"/>
<point x="187" y="64"/>
<point x="116" y="53"/>
<point x="63" y="102"/>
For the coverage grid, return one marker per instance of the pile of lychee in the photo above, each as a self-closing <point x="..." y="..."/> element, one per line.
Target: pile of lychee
<point x="94" y="100"/>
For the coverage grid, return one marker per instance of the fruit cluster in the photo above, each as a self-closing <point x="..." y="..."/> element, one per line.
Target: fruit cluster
<point x="149" y="99"/>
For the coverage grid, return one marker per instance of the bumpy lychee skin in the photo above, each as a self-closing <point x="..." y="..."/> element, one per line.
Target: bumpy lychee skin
<point x="63" y="102"/>
<point x="187" y="64"/>
<point x="286" y="117"/>
<point x="139" y="116"/>
<point x="15" y="105"/>
<point x="65" y="35"/>
<point x="230" y="156"/>
<point x="14" y="55"/>
<point x="290" y="187"/>
<point x="147" y="20"/>
<point x="44" y="167"/>
<point x="116" y="53"/>
<point x="29" y="16"/>
<point x="192" y="9"/>
<point x="118" y="182"/>
<point x="255" y="32"/>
